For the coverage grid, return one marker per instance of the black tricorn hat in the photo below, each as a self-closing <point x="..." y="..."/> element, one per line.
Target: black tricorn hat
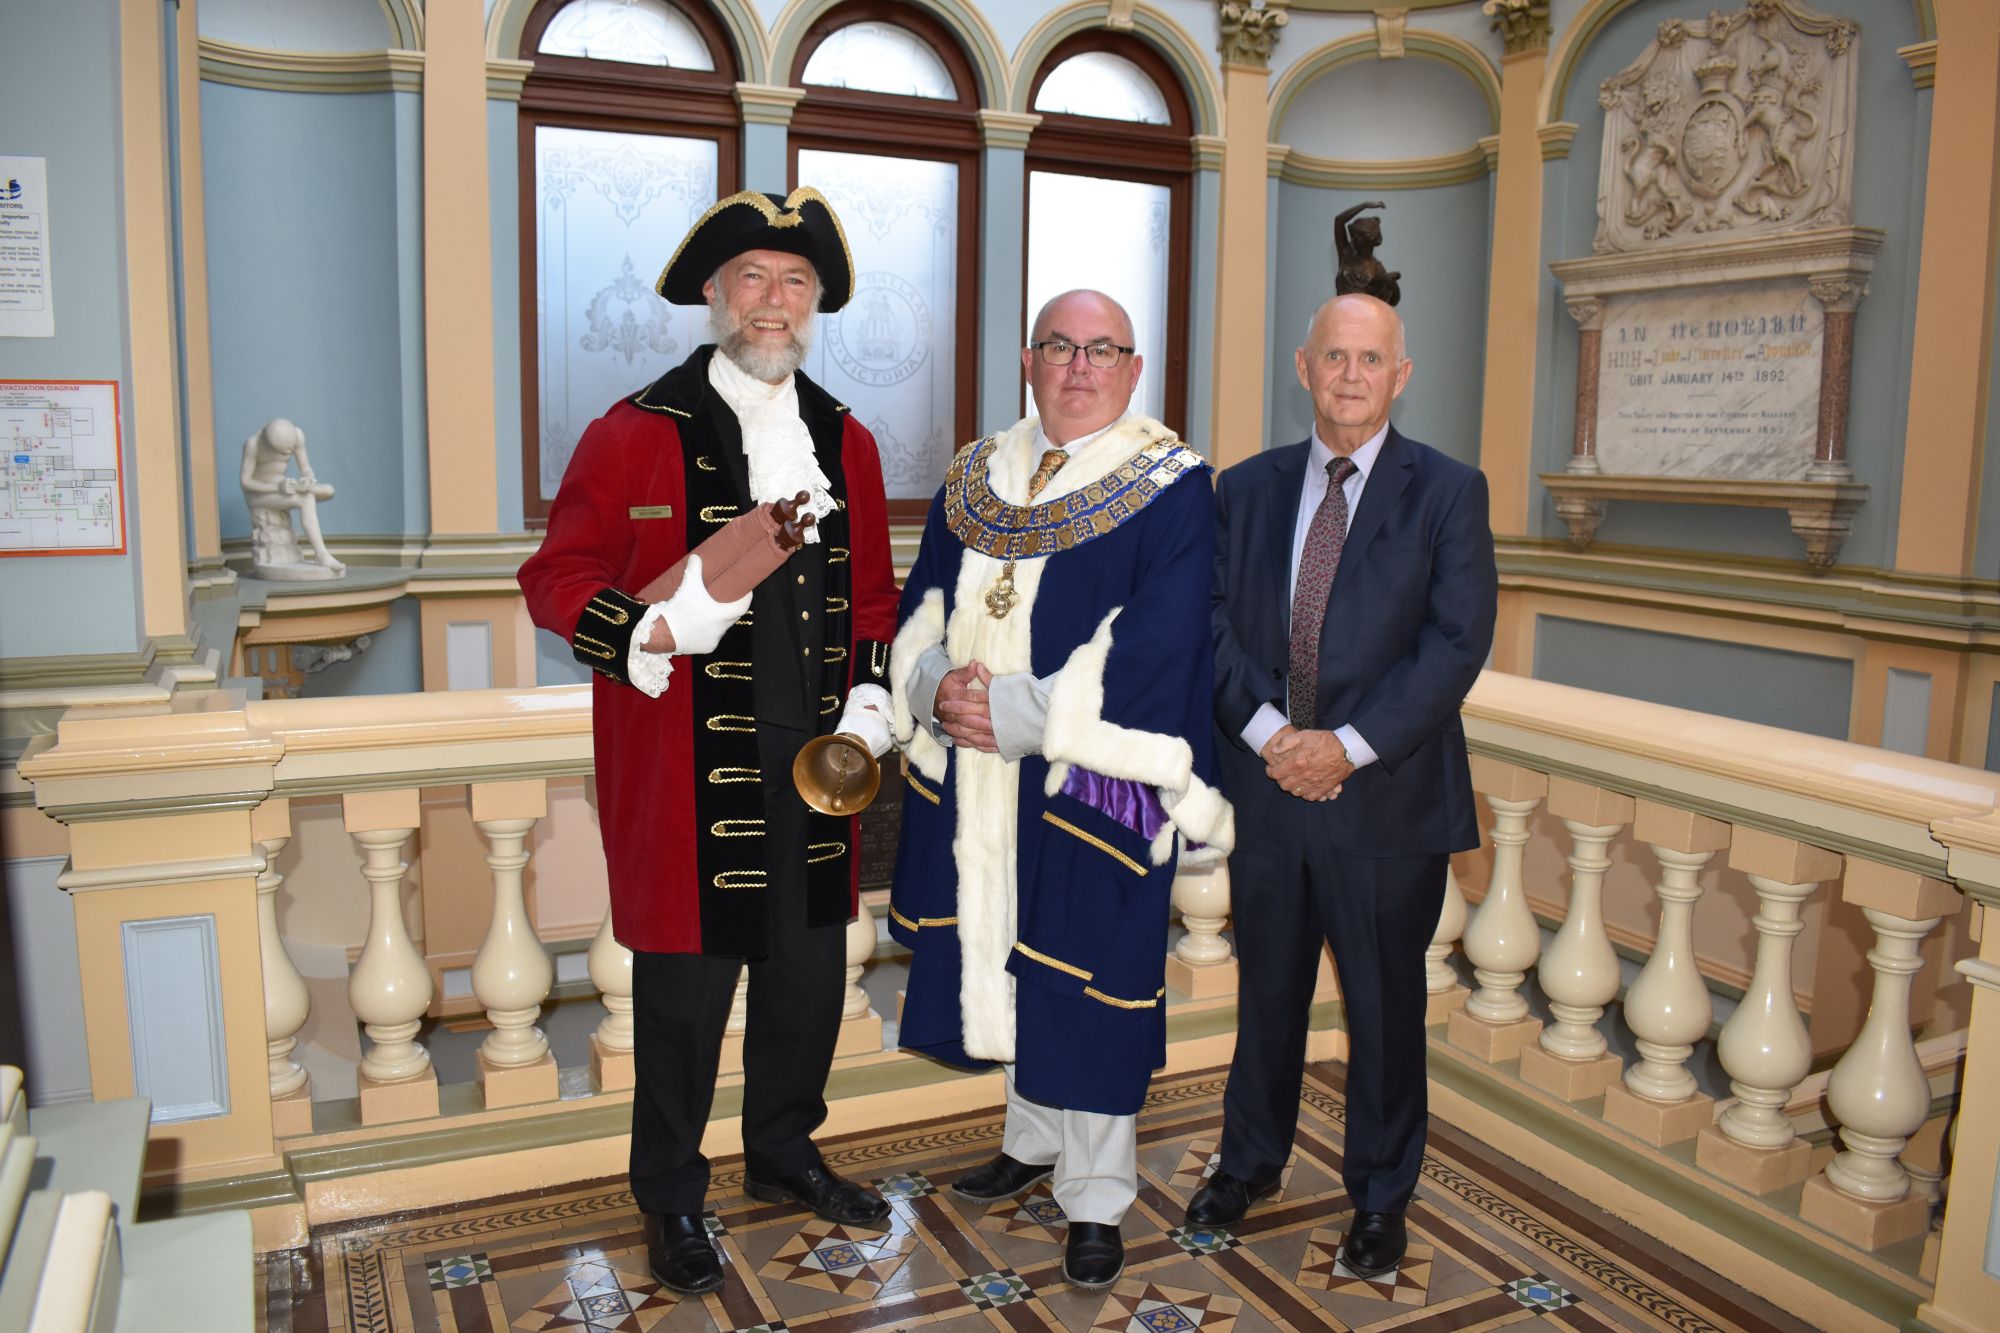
<point x="802" y="223"/>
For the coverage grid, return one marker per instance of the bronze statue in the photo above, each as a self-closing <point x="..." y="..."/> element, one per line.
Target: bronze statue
<point x="1360" y="271"/>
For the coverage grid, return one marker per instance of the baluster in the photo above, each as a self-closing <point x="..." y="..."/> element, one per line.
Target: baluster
<point x="611" y="1044"/>
<point x="1447" y="993"/>
<point x="860" y="1025"/>
<point x="389" y="987"/>
<point x="1668" y="1008"/>
<point x="1579" y="973"/>
<point x="1763" y="1046"/>
<point x="1503" y="940"/>
<point x="511" y="974"/>
<point x="286" y="1002"/>
<point x="739" y="1020"/>
<point x="1202" y="965"/>
<point x="1878" y="1091"/>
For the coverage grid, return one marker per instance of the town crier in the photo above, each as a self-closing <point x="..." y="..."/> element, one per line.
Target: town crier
<point x="700" y="706"/>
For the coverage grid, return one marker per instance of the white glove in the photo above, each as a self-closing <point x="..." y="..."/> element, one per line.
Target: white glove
<point x="696" y="620"/>
<point x="867" y="717"/>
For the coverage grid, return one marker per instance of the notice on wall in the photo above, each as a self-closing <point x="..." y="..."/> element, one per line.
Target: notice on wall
<point x="27" y="304"/>
<point x="1710" y="382"/>
<point x="62" y="488"/>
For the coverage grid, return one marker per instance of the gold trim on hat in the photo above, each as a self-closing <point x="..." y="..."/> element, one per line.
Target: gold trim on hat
<point x="784" y="216"/>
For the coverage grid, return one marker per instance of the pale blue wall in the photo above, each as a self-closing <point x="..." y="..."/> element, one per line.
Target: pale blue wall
<point x="1890" y="150"/>
<point x="316" y="294"/>
<point x="392" y="664"/>
<point x="59" y="98"/>
<point x="1439" y="111"/>
<point x="1438" y="239"/>
<point x="1779" y="689"/>
<point x="1002" y="286"/>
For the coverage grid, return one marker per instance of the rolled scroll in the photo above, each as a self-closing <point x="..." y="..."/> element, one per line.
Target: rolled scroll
<point x="747" y="550"/>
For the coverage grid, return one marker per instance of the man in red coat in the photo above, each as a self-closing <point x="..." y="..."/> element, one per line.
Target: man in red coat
<point x="700" y="707"/>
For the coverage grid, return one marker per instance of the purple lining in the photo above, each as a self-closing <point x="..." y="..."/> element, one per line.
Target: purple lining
<point x="1134" y="804"/>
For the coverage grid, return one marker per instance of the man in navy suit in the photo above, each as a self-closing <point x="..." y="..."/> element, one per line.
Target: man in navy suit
<point x="1344" y="648"/>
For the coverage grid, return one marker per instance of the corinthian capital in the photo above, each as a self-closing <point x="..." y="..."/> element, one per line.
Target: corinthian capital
<point x="1522" y="24"/>
<point x="1250" y="30"/>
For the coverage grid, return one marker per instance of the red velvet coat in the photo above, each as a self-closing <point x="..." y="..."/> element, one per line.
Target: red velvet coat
<point x="651" y="479"/>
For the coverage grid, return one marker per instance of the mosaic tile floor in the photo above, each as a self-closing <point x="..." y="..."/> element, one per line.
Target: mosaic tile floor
<point x="1491" y="1245"/>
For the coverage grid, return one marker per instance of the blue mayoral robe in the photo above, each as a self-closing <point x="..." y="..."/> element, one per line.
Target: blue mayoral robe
<point x="1033" y="895"/>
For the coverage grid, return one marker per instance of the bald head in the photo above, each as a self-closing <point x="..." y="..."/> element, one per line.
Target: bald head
<point x="1380" y="308"/>
<point x="1084" y="302"/>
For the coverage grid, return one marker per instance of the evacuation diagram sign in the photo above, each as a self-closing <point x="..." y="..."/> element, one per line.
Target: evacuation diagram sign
<point x="61" y="489"/>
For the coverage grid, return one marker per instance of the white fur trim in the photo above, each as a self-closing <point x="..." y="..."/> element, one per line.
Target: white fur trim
<point x="922" y="630"/>
<point x="1078" y="734"/>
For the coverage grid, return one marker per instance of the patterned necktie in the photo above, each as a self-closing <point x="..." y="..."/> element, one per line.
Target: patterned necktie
<point x="1317" y="564"/>
<point x="1052" y="461"/>
<point x="1000" y="598"/>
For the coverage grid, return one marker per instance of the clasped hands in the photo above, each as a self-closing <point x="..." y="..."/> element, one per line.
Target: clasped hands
<point x="1310" y="765"/>
<point x="963" y="710"/>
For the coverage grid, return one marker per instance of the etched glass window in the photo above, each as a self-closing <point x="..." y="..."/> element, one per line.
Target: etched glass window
<point x="891" y="354"/>
<point x="607" y="207"/>
<point x="1105" y="85"/>
<point x="880" y="58"/>
<point x="1069" y="218"/>
<point x="637" y="32"/>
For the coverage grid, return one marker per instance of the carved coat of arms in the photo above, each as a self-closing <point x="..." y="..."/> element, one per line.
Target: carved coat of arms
<point x="1739" y="124"/>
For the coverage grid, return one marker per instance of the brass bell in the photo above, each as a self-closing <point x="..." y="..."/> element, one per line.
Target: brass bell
<point x="836" y="774"/>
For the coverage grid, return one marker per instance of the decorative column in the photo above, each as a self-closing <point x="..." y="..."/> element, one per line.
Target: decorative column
<point x="1201" y="965"/>
<point x="286" y="1003"/>
<point x="611" y="1045"/>
<point x="1447" y="994"/>
<point x="1667" y="1007"/>
<point x="1580" y="971"/>
<point x="860" y="1025"/>
<point x="1248" y="32"/>
<point x="511" y="974"/>
<point x="1838" y="295"/>
<point x="1003" y="260"/>
<point x="1514" y="284"/>
<point x="1763" y="1047"/>
<point x="1879" y="1093"/>
<point x="767" y="118"/>
<point x="389" y="987"/>
<point x="1503" y="939"/>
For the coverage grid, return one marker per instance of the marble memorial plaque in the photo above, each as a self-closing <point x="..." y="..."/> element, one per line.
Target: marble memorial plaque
<point x="1715" y="382"/>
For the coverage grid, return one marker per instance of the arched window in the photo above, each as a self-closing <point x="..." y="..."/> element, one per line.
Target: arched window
<point x="629" y="131"/>
<point x="888" y="130"/>
<point x="1110" y="173"/>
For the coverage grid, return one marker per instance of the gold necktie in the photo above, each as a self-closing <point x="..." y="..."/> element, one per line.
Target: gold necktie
<point x="1000" y="598"/>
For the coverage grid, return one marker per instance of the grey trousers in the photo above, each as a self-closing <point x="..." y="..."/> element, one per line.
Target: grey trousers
<point x="1096" y="1156"/>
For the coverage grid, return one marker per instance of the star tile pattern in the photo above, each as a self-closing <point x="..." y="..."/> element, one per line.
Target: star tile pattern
<point x="1204" y="1157"/>
<point x="1491" y="1245"/>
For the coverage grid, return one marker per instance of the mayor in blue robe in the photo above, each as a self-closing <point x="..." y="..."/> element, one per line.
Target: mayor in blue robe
<point x="1033" y="889"/>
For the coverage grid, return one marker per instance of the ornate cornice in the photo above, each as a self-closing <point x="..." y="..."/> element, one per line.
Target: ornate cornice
<point x="1523" y="25"/>
<point x="1007" y="129"/>
<point x="1556" y="139"/>
<point x="1250" y="30"/>
<point x="1921" y="57"/>
<point x="1207" y="150"/>
<point x="1389" y="26"/>
<point x="505" y="77"/>
<point x="1419" y="173"/>
<point x="311" y="71"/>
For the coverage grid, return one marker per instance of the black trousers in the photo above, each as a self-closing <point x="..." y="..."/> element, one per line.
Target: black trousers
<point x="1290" y="889"/>
<point x="680" y="1005"/>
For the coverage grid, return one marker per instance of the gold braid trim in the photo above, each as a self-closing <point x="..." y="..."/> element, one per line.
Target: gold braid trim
<point x="921" y="921"/>
<point x="1097" y="842"/>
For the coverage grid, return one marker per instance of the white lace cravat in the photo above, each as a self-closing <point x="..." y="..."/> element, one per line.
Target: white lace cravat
<point x="775" y="441"/>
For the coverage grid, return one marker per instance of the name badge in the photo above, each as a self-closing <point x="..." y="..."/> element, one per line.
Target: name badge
<point x="651" y="511"/>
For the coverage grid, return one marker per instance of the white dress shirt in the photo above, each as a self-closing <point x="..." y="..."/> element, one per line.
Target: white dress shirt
<point x="1268" y="719"/>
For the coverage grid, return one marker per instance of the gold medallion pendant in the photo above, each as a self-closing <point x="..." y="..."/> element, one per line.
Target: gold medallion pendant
<point x="1001" y="597"/>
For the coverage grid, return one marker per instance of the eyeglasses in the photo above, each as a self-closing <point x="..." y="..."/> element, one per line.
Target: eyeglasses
<point x="1061" y="351"/>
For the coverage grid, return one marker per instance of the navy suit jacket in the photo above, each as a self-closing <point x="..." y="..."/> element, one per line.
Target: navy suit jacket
<point x="1408" y="624"/>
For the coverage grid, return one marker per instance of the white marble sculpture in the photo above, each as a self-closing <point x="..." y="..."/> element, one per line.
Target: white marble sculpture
<point x="1739" y="124"/>
<point x="273" y="494"/>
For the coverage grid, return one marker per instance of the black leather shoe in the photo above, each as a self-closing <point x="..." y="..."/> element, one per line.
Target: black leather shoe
<point x="825" y="1193"/>
<point x="1093" y="1256"/>
<point x="1223" y="1199"/>
<point x="1000" y="1178"/>
<point x="680" y="1254"/>
<point x="1374" y="1243"/>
